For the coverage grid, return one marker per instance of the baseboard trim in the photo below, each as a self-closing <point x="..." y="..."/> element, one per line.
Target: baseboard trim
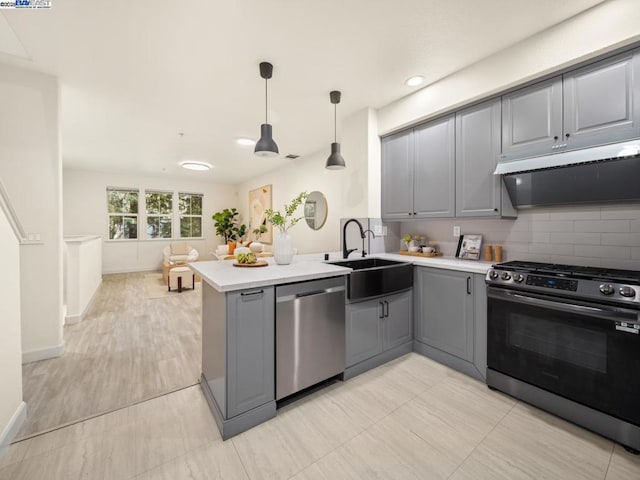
<point x="378" y="360"/>
<point x="449" y="360"/>
<point x="132" y="270"/>
<point x="78" y="317"/>
<point x="42" y="353"/>
<point x="13" y="427"/>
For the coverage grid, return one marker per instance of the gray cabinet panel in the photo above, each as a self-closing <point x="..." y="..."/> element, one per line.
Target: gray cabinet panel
<point x="250" y="344"/>
<point x="364" y="330"/>
<point x="434" y="177"/>
<point x="601" y="103"/>
<point x="397" y="324"/>
<point x="532" y="120"/>
<point x="480" y="324"/>
<point x="444" y="311"/>
<point x="397" y="175"/>
<point x="478" y="190"/>
<point x="214" y="343"/>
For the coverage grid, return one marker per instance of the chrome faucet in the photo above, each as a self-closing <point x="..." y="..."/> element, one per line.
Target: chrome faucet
<point x="346" y="251"/>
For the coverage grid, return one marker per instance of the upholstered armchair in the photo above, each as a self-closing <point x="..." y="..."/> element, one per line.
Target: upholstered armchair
<point x="179" y="252"/>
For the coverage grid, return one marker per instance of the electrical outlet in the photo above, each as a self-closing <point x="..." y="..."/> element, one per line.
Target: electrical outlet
<point x="456" y="231"/>
<point x="377" y="230"/>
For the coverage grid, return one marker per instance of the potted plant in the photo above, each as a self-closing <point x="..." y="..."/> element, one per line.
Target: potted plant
<point x="256" y="246"/>
<point x="228" y="227"/>
<point x="282" y="242"/>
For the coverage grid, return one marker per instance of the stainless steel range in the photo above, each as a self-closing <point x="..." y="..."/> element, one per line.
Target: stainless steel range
<point x="567" y="339"/>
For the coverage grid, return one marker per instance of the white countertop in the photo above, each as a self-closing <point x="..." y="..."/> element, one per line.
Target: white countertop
<point x="447" y="263"/>
<point x="224" y="277"/>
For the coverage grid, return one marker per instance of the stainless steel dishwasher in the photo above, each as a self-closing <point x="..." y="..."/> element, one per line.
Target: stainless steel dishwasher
<point x="310" y="333"/>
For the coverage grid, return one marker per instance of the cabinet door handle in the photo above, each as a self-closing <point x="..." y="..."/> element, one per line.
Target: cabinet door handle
<point x="568" y="135"/>
<point x="556" y="137"/>
<point x="250" y="294"/>
<point x="468" y="285"/>
<point x="387" y="305"/>
<point x="381" y="311"/>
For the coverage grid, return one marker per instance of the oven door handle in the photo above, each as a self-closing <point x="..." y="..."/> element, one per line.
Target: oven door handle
<point x="606" y="313"/>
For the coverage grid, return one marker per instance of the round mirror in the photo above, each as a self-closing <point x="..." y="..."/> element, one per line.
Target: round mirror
<point x="315" y="210"/>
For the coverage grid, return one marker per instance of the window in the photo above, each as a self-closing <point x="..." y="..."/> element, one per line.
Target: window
<point x="190" y="207"/>
<point x="159" y="208"/>
<point x="123" y="213"/>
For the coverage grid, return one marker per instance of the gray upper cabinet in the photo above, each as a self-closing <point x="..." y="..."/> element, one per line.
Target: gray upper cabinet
<point x="532" y="120"/>
<point x="444" y="311"/>
<point x="397" y="176"/>
<point x="418" y="172"/>
<point x="250" y="349"/>
<point x="479" y="193"/>
<point x="602" y="102"/>
<point x="589" y="106"/>
<point x="434" y="173"/>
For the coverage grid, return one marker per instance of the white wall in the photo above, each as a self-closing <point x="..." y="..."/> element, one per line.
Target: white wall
<point x="603" y="28"/>
<point x="82" y="274"/>
<point x="346" y="190"/>
<point x="85" y="213"/>
<point x="30" y="167"/>
<point x="10" y="350"/>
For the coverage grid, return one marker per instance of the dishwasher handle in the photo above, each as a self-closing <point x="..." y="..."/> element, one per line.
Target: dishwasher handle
<point x="289" y="298"/>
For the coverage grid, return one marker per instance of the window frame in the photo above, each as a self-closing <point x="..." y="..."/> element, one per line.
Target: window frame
<point x="136" y="215"/>
<point x="190" y="215"/>
<point x="170" y="215"/>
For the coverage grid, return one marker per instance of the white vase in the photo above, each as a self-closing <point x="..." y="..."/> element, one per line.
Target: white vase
<point x="283" y="249"/>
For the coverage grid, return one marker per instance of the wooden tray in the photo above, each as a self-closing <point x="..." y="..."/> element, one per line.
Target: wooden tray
<point x="262" y="254"/>
<point x="259" y="263"/>
<point x="419" y="254"/>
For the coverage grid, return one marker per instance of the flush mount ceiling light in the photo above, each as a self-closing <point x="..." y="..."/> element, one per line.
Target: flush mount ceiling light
<point x="266" y="147"/>
<point x="335" y="160"/>
<point x="414" y="81"/>
<point x="245" y="142"/>
<point x="199" y="166"/>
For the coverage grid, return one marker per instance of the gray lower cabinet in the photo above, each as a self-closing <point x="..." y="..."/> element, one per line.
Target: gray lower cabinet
<point x="238" y="356"/>
<point x="450" y="320"/>
<point x="480" y="193"/>
<point x="377" y="326"/>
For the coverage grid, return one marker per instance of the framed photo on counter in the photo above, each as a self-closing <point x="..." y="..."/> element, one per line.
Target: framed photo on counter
<point x="469" y="247"/>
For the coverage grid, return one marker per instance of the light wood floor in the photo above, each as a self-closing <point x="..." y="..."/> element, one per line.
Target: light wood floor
<point x="409" y="419"/>
<point x="129" y="348"/>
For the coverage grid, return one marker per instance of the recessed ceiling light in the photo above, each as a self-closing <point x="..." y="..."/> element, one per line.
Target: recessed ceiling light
<point x="414" y="81"/>
<point x="247" y="142"/>
<point x="200" y="166"/>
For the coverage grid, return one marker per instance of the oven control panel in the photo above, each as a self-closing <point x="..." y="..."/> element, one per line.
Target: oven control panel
<point x="551" y="282"/>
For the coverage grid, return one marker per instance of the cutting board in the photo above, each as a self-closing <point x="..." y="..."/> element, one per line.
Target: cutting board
<point x="259" y="263"/>
<point x="419" y="254"/>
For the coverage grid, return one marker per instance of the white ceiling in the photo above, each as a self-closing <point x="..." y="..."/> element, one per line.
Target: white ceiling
<point x="135" y="73"/>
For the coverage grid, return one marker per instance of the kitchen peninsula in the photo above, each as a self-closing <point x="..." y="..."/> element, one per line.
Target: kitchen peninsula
<point x="238" y="336"/>
<point x="238" y="330"/>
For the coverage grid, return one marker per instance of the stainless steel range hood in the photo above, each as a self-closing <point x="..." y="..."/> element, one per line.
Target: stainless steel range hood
<point x="608" y="173"/>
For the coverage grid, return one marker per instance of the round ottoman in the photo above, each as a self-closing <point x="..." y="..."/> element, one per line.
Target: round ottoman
<point x="181" y="277"/>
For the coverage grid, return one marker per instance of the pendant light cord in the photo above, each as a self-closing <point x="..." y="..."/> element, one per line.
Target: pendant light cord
<point x="335" y="122"/>
<point x="266" y="99"/>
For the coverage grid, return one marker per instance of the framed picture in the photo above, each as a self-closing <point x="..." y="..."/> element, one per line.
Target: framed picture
<point x="260" y="200"/>
<point x="469" y="247"/>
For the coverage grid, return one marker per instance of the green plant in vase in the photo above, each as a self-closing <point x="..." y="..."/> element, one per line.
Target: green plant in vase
<point x="228" y="225"/>
<point x="282" y="242"/>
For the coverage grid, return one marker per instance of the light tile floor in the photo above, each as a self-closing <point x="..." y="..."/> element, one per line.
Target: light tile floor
<point x="409" y="419"/>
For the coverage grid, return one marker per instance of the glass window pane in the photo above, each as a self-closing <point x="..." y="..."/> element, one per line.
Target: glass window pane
<point x="196" y="205"/>
<point x="122" y="227"/>
<point x="159" y="203"/>
<point x="191" y="227"/>
<point x="159" y="227"/>
<point x="190" y="204"/>
<point x="120" y="201"/>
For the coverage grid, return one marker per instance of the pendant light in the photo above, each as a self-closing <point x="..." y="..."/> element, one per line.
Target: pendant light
<point x="335" y="160"/>
<point x="266" y="147"/>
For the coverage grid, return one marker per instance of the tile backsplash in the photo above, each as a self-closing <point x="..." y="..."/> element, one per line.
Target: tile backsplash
<point x="602" y="236"/>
